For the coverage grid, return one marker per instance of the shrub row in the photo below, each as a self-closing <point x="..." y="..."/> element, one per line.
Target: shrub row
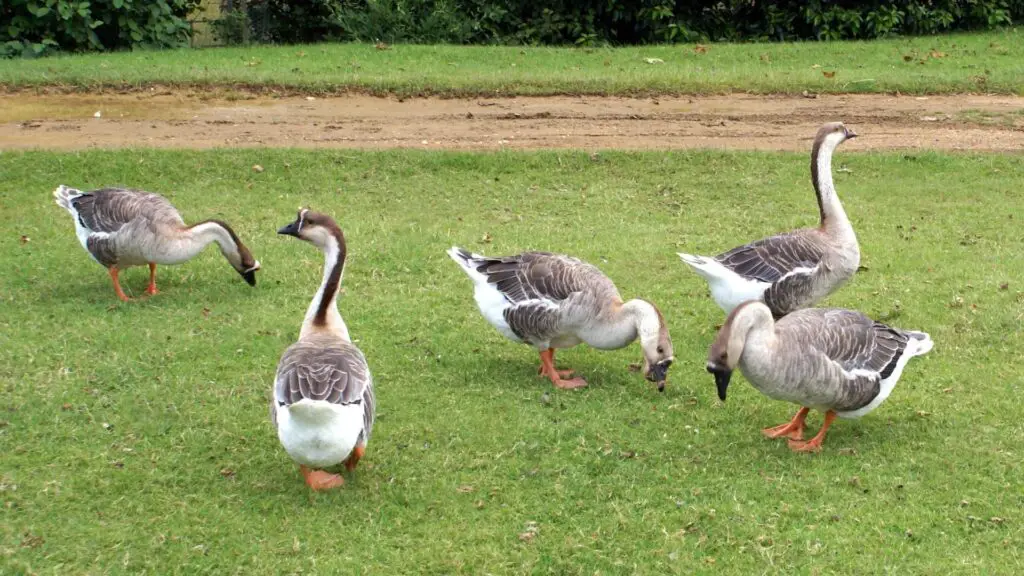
<point x="36" y="27"/>
<point x="606" y="21"/>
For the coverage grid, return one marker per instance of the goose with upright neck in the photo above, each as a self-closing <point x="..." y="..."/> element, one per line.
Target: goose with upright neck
<point x="122" y="227"/>
<point x="796" y="269"/>
<point x="323" y="404"/>
<point x="553" y="301"/>
<point x="837" y="361"/>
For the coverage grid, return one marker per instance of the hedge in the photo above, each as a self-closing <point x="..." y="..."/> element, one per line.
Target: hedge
<point x="606" y="21"/>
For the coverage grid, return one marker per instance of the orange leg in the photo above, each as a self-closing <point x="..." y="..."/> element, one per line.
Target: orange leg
<point x="561" y="373"/>
<point x="319" y="480"/>
<point x="814" y="444"/>
<point x="547" y="362"/>
<point x="151" y="289"/>
<point x="117" y="284"/>
<point x="353" y="459"/>
<point x="794" y="429"/>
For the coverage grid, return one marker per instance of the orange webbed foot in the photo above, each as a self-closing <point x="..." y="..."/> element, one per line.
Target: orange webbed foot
<point x="319" y="480"/>
<point x="570" y="384"/>
<point x="808" y="446"/>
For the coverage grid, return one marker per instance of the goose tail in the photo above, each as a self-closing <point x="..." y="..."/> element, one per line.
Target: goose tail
<point x="63" y="195"/>
<point x="920" y="343"/>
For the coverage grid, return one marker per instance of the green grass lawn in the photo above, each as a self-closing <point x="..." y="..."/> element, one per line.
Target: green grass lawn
<point x="136" y="437"/>
<point x="985" y="62"/>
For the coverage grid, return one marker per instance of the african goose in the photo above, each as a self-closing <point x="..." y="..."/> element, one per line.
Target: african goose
<point x="837" y="361"/>
<point x="796" y="269"/>
<point x="121" y="227"/>
<point x="553" y="301"/>
<point x="323" y="404"/>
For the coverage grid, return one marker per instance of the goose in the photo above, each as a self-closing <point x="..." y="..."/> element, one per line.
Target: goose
<point x="122" y="227"/>
<point x="837" y="361"/>
<point x="796" y="269"/>
<point x="323" y="404"/>
<point x="553" y="301"/>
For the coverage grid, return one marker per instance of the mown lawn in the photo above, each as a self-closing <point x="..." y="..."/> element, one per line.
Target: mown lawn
<point x="984" y="62"/>
<point x="136" y="438"/>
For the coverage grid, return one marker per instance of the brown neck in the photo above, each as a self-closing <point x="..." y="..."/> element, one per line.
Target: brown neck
<point x="334" y="266"/>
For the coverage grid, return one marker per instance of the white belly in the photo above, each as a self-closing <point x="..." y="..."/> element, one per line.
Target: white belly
<point x="319" y="434"/>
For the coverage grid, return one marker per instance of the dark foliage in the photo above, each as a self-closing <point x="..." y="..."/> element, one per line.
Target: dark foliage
<point x="36" y="27"/>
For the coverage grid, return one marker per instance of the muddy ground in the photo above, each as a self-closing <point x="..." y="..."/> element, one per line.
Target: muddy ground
<point x="169" y="119"/>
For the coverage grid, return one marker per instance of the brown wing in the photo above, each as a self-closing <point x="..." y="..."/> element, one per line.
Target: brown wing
<point x="325" y="368"/>
<point x="866" y="349"/>
<point x="770" y="259"/>
<point x="540" y="276"/>
<point x="108" y="209"/>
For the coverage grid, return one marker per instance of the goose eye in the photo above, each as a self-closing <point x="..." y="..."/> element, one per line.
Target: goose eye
<point x="661" y="350"/>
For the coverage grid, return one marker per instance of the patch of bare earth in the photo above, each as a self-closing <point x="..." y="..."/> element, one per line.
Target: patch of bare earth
<point x="181" y="120"/>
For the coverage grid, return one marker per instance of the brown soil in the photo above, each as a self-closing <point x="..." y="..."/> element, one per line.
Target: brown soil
<point x="180" y="120"/>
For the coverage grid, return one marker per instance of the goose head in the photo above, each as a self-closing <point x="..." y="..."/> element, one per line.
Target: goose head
<point x="727" y="349"/>
<point x="833" y="134"/>
<point x="316" y="228"/>
<point x="656" y="345"/>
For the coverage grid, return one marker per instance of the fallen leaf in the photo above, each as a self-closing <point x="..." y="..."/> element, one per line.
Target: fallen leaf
<point x="937" y="54"/>
<point x="97" y="114"/>
<point x="66" y="406"/>
<point x="257" y="168"/>
<point x="310" y="98"/>
<point x="766" y="58"/>
<point x="809" y="95"/>
<point x="654" y="60"/>
<point x="929" y="119"/>
<point x="907" y="57"/>
<point x="1004" y="286"/>
<point x="479" y="504"/>
<point x="486" y="239"/>
<point x="465" y="489"/>
<point x="206" y="312"/>
<point x="996" y="520"/>
<point x="634" y="367"/>
<point x="108" y="426"/>
<point x="227" y="472"/>
<point x="828" y="74"/>
<point x="24" y="239"/>
<point x="847" y="451"/>
<point x="31" y="540"/>
<point x="530" y="532"/>
<point x="381" y="46"/>
<point x="627" y="454"/>
<point x="700" y="49"/>
<point x="118" y="464"/>
<point x="923" y="413"/>
<point x="300" y="54"/>
<point x="815" y="66"/>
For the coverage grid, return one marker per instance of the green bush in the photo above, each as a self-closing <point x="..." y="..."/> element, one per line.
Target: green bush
<point x="37" y="27"/>
<point x="617" y="21"/>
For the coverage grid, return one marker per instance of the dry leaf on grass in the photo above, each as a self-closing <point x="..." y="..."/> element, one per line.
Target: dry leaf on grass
<point x="654" y="60"/>
<point x="937" y="54"/>
<point x="700" y="49"/>
<point x="257" y="168"/>
<point x="828" y="74"/>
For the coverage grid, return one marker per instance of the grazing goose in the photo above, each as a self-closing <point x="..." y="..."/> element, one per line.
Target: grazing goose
<point x="837" y="361"/>
<point x="121" y="227"/>
<point x="553" y="301"/>
<point x="796" y="269"/>
<point x="323" y="404"/>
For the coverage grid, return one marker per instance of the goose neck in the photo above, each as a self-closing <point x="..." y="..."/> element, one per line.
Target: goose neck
<point x="322" y="313"/>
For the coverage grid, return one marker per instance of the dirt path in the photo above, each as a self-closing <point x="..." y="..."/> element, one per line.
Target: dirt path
<point x="179" y="120"/>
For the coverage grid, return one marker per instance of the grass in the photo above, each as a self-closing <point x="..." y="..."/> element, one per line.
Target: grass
<point x="136" y="436"/>
<point x="984" y="62"/>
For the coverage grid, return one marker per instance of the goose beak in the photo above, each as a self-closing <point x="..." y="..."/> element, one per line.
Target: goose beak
<point x="722" y="377"/>
<point x="289" y="230"/>
<point x="850" y="134"/>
